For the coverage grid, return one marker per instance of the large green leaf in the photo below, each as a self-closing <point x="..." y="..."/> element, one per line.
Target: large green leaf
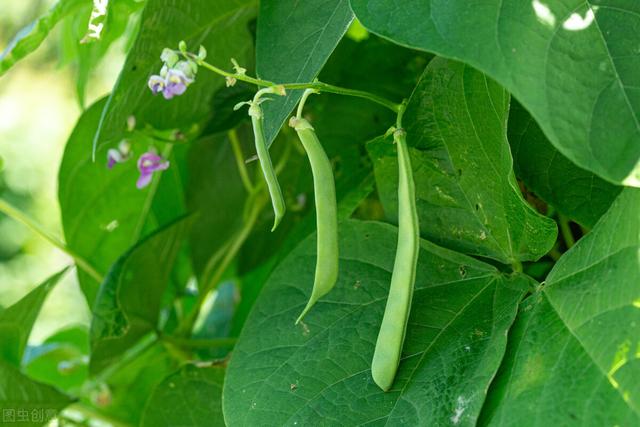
<point x="17" y="320"/>
<point x="27" y="403"/>
<point x="573" y="354"/>
<point x="103" y="213"/>
<point x="467" y="196"/>
<point x="30" y="37"/>
<point x="293" y="42"/>
<point x="319" y="371"/>
<point x="573" y="64"/>
<point x="220" y="26"/>
<point x="129" y="302"/>
<point x="575" y="192"/>
<point x="192" y="396"/>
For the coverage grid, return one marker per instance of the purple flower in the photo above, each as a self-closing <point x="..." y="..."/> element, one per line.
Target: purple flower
<point x="156" y="84"/>
<point x="149" y="163"/>
<point x="113" y="157"/>
<point x="120" y="154"/>
<point x="176" y="83"/>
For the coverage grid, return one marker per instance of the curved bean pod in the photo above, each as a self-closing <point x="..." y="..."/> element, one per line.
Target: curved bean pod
<point x="277" y="200"/>
<point x="326" y="213"/>
<point x="388" y="351"/>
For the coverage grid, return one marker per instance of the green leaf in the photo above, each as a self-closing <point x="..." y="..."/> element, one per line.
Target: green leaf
<point x="192" y="396"/>
<point x="467" y="195"/>
<point x="132" y="384"/>
<point x="573" y="353"/>
<point x="25" y="402"/>
<point x="283" y="374"/>
<point x="30" y="37"/>
<point x="61" y="360"/>
<point x="214" y="192"/>
<point x="103" y="213"/>
<point x="129" y="302"/>
<point x="574" y="192"/>
<point x="17" y="320"/>
<point x="293" y="42"/>
<point x="87" y="53"/>
<point x="572" y="64"/>
<point x="221" y="27"/>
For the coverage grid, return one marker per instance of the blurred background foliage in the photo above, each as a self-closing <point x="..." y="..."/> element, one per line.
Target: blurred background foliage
<point x="39" y="105"/>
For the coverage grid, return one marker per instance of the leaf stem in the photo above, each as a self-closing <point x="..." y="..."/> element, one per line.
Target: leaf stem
<point x="23" y="219"/>
<point x="242" y="167"/>
<point x="317" y="85"/>
<point x="565" y="229"/>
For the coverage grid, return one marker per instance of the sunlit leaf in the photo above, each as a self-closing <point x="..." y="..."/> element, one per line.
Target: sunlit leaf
<point x="572" y="64"/>
<point x="573" y="353"/>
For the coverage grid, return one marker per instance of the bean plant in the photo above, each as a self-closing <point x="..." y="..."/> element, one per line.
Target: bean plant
<point x="364" y="212"/>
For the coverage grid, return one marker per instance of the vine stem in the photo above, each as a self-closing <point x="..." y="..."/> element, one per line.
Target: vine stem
<point x="317" y="85"/>
<point x="565" y="229"/>
<point x="237" y="153"/>
<point x="23" y="219"/>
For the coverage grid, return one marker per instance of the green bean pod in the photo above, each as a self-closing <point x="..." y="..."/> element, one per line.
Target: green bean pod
<point x="388" y="351"/>
<point x="326" y="213"/>
<point x="277" y="200"/>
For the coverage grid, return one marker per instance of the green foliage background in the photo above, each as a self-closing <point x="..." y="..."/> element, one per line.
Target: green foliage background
<point x="523" y="127"/>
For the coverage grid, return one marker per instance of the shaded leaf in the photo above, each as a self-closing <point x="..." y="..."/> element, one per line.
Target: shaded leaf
<point x="572" y="64"/>
<point x="574" y="192"/>
<point x="26" y="402"/>
<point x="17" y="320"/>
<point x="283" y="374"/>
<point x="582" y="325"/>
<point x="467" y="195"/>
<point x="192" y="396"/>
<point x="293" y="42"/>
<point x="129" y="301"/>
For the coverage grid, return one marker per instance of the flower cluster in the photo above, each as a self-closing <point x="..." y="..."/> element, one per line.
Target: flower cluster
<point x="176" y="74"/>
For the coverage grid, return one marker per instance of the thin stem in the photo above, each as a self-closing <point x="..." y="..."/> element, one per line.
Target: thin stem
<point x="565" y="229"/>
<point x="303" y="100"/>
<point x="554" y="253"/>
<point x="200" y="343"/>
<point x="232" y="251"/>
<point x="242" y="168"/>
<point x="20" y="217"/>
<point x="319" y="86"/>
<point x="144" y="344"/>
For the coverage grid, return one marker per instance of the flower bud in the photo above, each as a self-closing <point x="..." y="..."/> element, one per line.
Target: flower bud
<point x="202" y="53"/>
<point x="169" y="57"/>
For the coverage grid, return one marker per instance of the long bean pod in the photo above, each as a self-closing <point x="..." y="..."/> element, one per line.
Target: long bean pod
<point x="277" y="200"/>
<point x="326" y="213"/>
<point x="388" y="351"/>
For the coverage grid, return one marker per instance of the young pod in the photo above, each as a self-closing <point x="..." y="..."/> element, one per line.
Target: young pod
<point x="326" y="213"/>
<point x="277" y="200"/>
<point x="386" y="357"/>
